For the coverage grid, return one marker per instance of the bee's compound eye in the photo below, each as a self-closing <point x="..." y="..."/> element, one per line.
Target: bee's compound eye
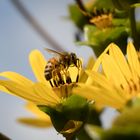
<point x="73" y="56"/>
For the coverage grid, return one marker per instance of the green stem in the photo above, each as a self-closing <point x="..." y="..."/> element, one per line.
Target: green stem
<point x="83" y="135"/>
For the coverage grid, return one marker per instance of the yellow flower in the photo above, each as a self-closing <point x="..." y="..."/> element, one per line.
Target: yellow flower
<point x="41" y="92"/>
<point x="102" y="21"/>
<point x="118" y="83"/>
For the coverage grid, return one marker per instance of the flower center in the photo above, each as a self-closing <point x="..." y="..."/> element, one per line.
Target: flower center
<point x="64" y="91"/>
<point x="102" y="21"/>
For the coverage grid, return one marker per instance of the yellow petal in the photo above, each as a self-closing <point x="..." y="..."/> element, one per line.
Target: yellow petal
<point x="90" y="63"/>
<point x="38" y="64"/>
<point x="16" y="78"/>
<point x="35" y="122"/>
<point x="112" y="71"/>
<point x="41" y="120"/>
<point x="36" y="111"/>
<point x="73" y="71"/>
<point x="101" y="82"/>
<point x="98" y="79"/>
<point x="83" y="76"/>
<point x="3" y="89"/>
<point x="20" y="90"/>
<point x="120" y="60"/>
<point x="103" y="97"/>
<point x="98" y="62"/>
<point x="102" y="90"/>
<point x="133" y="59"/>
<point x="46" y="94"/>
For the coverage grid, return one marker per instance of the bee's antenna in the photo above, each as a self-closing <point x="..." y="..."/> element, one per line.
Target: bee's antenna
<point x="77" y="78"/>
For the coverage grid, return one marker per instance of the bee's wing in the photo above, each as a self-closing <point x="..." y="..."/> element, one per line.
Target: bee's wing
<point x="54" y="52"/>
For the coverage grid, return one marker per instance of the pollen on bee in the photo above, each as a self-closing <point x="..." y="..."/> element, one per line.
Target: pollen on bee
<point x="64" y="78"/>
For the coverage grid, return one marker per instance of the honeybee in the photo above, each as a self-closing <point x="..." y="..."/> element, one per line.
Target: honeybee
<point x="56" y="68"/>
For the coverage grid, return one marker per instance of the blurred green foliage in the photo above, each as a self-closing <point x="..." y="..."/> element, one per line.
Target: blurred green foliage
<point x="123" y="23"/>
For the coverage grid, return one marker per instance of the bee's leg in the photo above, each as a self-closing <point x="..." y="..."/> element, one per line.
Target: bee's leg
<point x="61" y="80"/>
<point x="54" y="78"/>
<point x="68" y="79"/>
<point x="51" y="83"/>
<point x="77" y="78"/>
<point x="55" y="83"/>
<point x="79" y="65"/>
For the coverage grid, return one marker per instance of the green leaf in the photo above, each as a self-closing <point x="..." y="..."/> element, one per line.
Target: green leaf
<point x="117" y="4"/>
<point x="73" y="108"/>
<point x="77" y="17"/>
<point x="45" y="109"/>
<point x="122" y="133"/>
<point x="57" y="117"/>
<point x="129" y="116"/>
<point x="94" y="131"/>
<point x="94" y="117"/>
<point x="126" y="125"/>
<point x="83" y="135"/>
<point x="124" y="4"/>
<point x="136" y="102"/>
<point x="100" y="39"/>
<point x="106" y="4"/>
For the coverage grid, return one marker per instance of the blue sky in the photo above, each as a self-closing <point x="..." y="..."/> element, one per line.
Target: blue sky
<point x="17" y="39"/>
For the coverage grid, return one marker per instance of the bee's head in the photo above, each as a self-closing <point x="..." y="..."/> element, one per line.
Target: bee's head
<point x="73" y="58"/>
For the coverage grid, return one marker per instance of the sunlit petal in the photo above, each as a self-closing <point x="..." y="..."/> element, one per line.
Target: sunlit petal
<point x="120" y="60"/>
<point x="112" y="71"/>
<point x="3" y="89"/>
<point x="19" y="90"/>
<point x="46" y="94"/>
<point x="38" y="63"/>
<point x="133" y="59"/>
<point x="36" y="111"/>
<point x="103" y="97"/>
<point x="17" y="78"/>
<point x="98" y="61"/>
<point x="83" y="76"/>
